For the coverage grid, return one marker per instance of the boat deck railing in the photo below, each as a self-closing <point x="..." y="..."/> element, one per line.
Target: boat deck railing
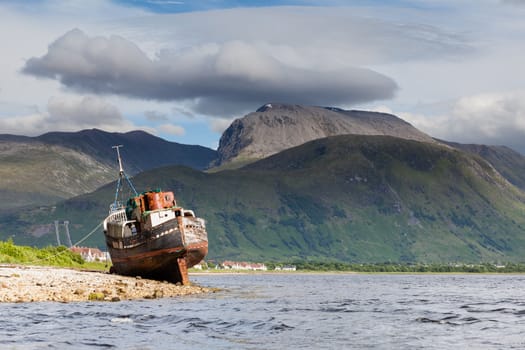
<point x="116" y="206"/>
<point x="117" y="215"/>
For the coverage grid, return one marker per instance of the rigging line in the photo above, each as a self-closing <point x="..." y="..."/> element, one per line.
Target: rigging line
<point x="121" y="177"/>
<point x="119" y="184"/>
<point x="77" y="243"/>
<point x="131" y="185"/>
<point x="89" y="234"/>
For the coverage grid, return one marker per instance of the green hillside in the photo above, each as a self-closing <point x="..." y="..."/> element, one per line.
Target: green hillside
<point x="348" y="198"/>
<point x="33" y="173"/>
<point x="142" y="151"/>
<point x="507" y="162"/>
<point x="52" y="167"/>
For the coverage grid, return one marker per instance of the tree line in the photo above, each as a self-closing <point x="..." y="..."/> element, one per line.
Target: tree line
<point x="407" y="268"/>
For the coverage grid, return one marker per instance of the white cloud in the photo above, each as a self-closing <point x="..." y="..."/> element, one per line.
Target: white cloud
<point x="65" y="113"/>
<point x="220" y="124"/>
<point x="26" y="29"/>
<point x="89" y="110"/>
<point x="218" y="79"/>
<point x="308" y="37"/>
<point x="156" y="116"/>
<point x="513" y="2"/>
<point x="171" y="129"/>
<point x="224" y="63"/>
<point x="166" y="2"/>
<point x="490" y="118"/>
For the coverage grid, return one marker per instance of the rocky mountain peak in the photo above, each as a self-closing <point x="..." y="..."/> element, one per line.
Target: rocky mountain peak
<point x="275" y="127"/>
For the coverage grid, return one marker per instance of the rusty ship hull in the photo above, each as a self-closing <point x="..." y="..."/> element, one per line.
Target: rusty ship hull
<point x="161" y="243"/>
<point x="162" y="257"/>
<point x="151" y="236"/>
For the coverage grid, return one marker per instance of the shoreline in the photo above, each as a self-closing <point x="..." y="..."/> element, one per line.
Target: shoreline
<point x="243" y="272"/>
<point x="20" y="283"/>
<point x="314" y="272"/>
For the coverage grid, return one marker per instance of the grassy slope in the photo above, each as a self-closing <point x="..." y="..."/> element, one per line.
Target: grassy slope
<point x="32" y="172"/>
<point x="508" y="162"/>
<point x="141" y="150"/>
<point x="48" y="256"/>
<point x="350" y="198"/>
<point x="55" y="166"/>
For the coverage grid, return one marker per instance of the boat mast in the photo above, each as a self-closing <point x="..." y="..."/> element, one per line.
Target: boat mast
<point x="122" y="175"/>
<point x="121" y="170"/>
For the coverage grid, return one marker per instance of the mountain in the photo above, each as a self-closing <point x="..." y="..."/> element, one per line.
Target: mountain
<point x="350" y="198"/>
<point x="141" y="150"/>
<point x="45" y="169"/>
<point x="509" y="163"/>
<point x="275" y="127"/>
<point x="34" y="173"/>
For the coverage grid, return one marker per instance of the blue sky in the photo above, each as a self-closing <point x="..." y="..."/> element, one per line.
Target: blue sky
<point x="183" y="70"/>
<point x="204" y="5"/>
<point x="174" y="6"/>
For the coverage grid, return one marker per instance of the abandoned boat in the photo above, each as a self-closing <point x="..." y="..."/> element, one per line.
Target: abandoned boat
<point x="151" y="236"/>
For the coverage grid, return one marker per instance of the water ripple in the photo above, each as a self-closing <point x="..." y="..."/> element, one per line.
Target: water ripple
<point x="289" y="311"/>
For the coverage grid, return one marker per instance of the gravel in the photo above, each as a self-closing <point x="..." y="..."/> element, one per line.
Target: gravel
<point x="37" y="283"/>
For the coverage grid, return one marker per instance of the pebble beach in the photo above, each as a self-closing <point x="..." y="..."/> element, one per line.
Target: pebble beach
<point x="40" y="283"/>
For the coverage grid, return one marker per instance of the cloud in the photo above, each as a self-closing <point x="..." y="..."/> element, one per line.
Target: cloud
<point x="89" y="110"/>
<point x="315" y="37"/>
<point x="489" y="118"/>
<point x="156" y="116"/>
<point x="181" y="110"/>
<point x="171" y="129"/>
<point x="224" y="63"/>
<point x="165" y="2"/>
<point x="68" y="114"/>
<point x="216" y="79"/>
<point x="513" y="2"/>
<point x="220" y="124"/>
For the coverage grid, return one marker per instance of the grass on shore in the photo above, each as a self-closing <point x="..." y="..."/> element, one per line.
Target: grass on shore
<point x="59" y="256"/>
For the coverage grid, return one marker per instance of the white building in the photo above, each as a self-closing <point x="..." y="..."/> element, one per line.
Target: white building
<point x="242" y="265"/>
<point x="90" y="254"/>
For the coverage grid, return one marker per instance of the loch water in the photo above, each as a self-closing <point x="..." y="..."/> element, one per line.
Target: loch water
<point x="289" y="311"/>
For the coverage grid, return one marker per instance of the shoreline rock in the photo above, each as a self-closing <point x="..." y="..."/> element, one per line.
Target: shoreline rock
<point x="43" y="283"/>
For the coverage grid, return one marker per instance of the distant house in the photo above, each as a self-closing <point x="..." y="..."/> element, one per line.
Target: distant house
<point x="242" y="265"/>
<point x="90" y="254"/>
<point x="286" y="268"/>
<point x="198" y="266"/>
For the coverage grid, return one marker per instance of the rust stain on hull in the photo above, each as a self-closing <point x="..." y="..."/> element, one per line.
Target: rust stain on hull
<point x="151" y="236"/>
